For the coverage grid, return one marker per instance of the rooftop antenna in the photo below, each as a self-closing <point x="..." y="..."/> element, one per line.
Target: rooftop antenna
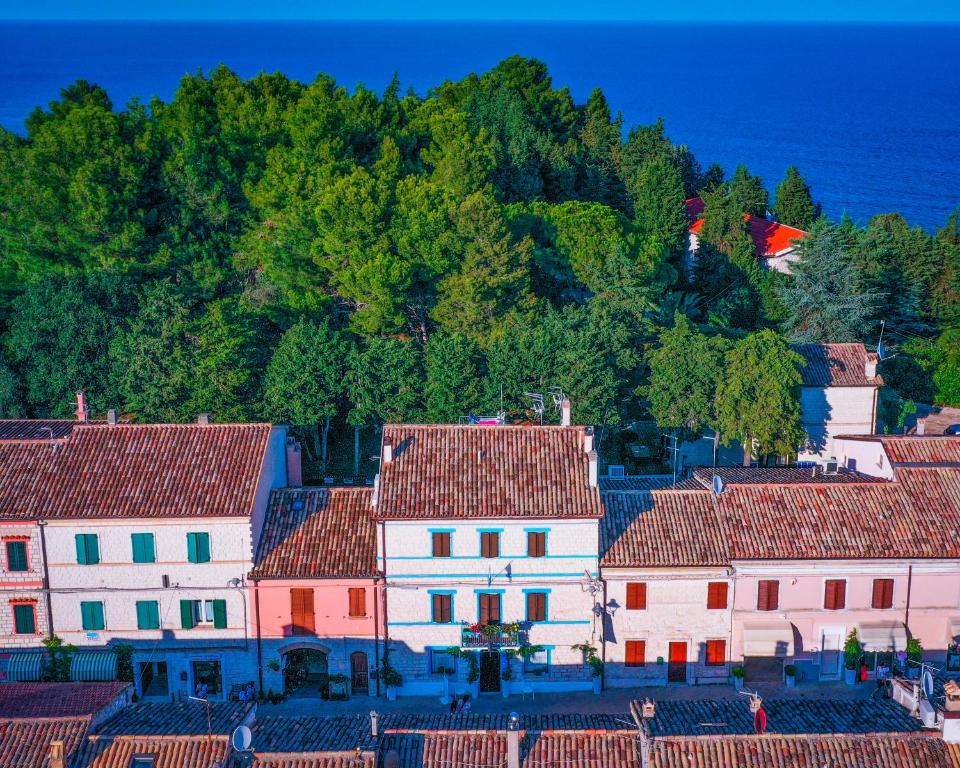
<point x="558" y="397"/>
<point x="880" y="349"/>
<point x="536" y="401"/>
<point x="716" y="484"/>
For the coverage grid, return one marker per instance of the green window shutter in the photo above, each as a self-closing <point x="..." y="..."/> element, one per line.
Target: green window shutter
<point x="148" y="615"/>
<point x="80" y="539"/>
<point x="198" y="547"/>
<point x="88" y="551"/>
<point x="24" y="620"/>
<point x="17" y="555"/>
<point x="143" y="548"/>
<point x="186" y="614"/>
<point x="92" y="615"/>
<point x="219" y="614"/>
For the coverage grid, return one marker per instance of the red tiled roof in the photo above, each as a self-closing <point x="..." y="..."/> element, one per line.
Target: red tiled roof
<point x="168" y="752"/>
<point x="26" y="743"/>
<point x="635" y="483"/>
<point x="777" y="476"/>
<point x="307" y="760"/>
<point x="157" y="470"/>
<point x="836" y="365"/>
<point x="32" y="700"/>
<point x="918" y="515"/>
<point x="466" y="471"/>
<point x="916" y="449"/>
<point x="769" y="237"/>
<point x="35" y="429"/>
<point x="332" y="534"/>
<point x="181" y="718"/>
<point x="23" y="471"/>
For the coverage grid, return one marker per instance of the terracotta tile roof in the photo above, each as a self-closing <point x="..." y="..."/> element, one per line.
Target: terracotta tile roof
<point x="183" y="718"/>
<point x="953" y="751"/>
<point x="302" y="760"/>
<point x="917" y="449"/>
<point x="836" y="365"/>
<point x="35" y="429"/>
<point x="493" y="722"/>
<point x="23" y="471"/>
<point x="318" y="533"/>
<point x="710" y="717"/>
<point x="635" y="483"/>
<point x="157" y="470"/>
<point x="769" y="237"/>
<point x="168" y="752"/>
<point x="32" y="700"/>
<point x="26" y="743"/>
<point x="800" y="752"/>
<point x="917" y="515"/>
<point x="342" y="733"/>
<point x="778" y="476"/>
<point x="464" y="471"/>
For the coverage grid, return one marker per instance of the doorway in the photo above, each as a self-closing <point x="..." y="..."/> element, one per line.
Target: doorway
<point x="153" y="679"/>
<point x="489" y="671"/>
<point x="831" y="654"/>
<point x="304" y="667"/>
<point x="359" y="672"/>
<point x="677" y="666"/>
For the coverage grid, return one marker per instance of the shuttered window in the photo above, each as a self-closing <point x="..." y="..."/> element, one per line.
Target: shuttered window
<point x="490" y="544"/>
<point x="219" y="614"/>
<point x="24" y="619"/>
<point x="442" y="608"/>
<point x="148" y="614"/>
<point x="187" y="620"/>
<point x="768" y="595"/>
<point x="489" y="608"/>
<point x="88" y="549"/>
<point x="91" y="615"/>
<point x="536" y="543"/>
<point x="17" y="556"/>
<point x="717" y="595"/>
<point x="441" y="544"/>
<point x="882" y="593"/>
<point x="835" y="594"/>
<point x="198" y="547"/>
<point x="636" y="596"/>
<point x="636" y="651"/>
<point x="536" y="606"/>
<point x="358" y="601"/>
<point x="143" y="549"/>
<point x="716" y="653"/>
<point x="302" y="621"/>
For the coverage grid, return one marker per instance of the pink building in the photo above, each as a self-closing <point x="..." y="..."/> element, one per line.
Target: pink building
<point x="318" y="606"/>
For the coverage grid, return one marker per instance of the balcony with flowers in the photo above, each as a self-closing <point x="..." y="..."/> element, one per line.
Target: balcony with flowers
<point x="492" y="635"/>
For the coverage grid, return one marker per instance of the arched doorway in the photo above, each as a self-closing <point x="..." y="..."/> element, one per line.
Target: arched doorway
<point x="304" y="668"/>
<point x="359" y="673"/>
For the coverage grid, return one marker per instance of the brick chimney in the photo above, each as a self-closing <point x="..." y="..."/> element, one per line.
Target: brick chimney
<point x="565" y="413"/>
<point x="112" y="416"/>
<point x="294" y="464"/>
<point x="592" y="457"/>
<point x="83" y="410"/>
<point x="203" y="418"/>
<point x="387" y="453"/>
<point x="587" y="439"/>
<point x="57" y="759"/>
<point x="870" y="367"/>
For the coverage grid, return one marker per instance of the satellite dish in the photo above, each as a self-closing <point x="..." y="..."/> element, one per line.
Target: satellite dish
<point x="927" y="683"/>
<point x="717" y="484"/>
<point x="241" y="738"/>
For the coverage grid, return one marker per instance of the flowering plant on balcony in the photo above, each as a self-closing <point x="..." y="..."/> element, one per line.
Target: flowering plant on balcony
<point x="476" y="628"/>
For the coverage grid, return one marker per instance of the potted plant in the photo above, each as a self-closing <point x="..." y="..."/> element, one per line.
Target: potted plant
<point x="337" y="689"/>
<point x="473" y="674"/>
<point x="390" y="678"/>
<point x="273" y="665"/>
<point x="596" y="664"/>
<point x="506" y="676"/>
<point x="790" y="675"/>
<point x="738" y="673"/>
<point x="851" y="657"/>
<point x="914" y="658"/>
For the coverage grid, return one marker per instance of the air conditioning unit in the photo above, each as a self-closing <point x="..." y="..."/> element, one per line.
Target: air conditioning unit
<point x="615" y="470"/>
<point x="831" y="466"/>
<point x="165" y="581"/>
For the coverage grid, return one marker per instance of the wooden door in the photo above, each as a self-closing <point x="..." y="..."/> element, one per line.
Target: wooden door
<point x="359" y="672"/>
<point x="831" y="655"/>
<point x="677" y="666"/>
<point x="489" y="671"/>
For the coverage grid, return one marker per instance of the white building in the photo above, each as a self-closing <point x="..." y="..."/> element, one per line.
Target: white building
<point x="486" y="526"/>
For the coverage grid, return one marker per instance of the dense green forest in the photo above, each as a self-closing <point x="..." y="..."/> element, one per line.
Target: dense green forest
<point x="269" y="249"/>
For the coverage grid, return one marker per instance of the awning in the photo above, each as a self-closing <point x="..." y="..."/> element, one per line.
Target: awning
<point x="883" y="636"/>
<point x="25" y="667"/>
<point x="953" y="629"/>
<point x="93" y="666"/>
<point x="768" y="639"/>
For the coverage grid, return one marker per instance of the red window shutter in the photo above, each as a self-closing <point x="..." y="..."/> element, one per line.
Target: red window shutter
<point x="636" y="596"/>
<point x="536" y="606"/>
<point x="490" y="544"/>
<point x="768" y="595"/>
<point x="441" y="545"/>
<point x="441" y="609"/>
<point x="716" y="652"/>
<point x="882" y="593"/>
<point x="717" y="595"/>
<point x="888" y="594"/>
<point x="358" y="601"/>
<point x="636" y="651"/>
<point x="489" y="609"/>
<point x="536" y="543"/>
<point x="308" y="616"/>
<point x="835" y="596"/>
<point x="301" y="610"/>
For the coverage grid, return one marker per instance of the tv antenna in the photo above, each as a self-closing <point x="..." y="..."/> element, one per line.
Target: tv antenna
<point x="536" y="403"/>
<point x="716" y="485"/>
<point x="556" y="393"/>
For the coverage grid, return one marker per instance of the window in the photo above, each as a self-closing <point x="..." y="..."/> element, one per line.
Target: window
<point x="537" y="662"/>
<point x="536" y="543"/>
<point x="358" y="601"/>
<point x="143" y="550"/>
<point x="768" y="595"/>
<point x="91" y="615"/>
<point x="88" y="548"/>
<point x="17" y="556"/>
<point x="143" y="761"/>
<point x="441" y="543"/>
<point x="489" y="608"/>
<point x="717" y="595"/>
<point x="536" y="606"/>
<point x="636" y="596"/>
<point x="716" y="653"/>
<point x="441" y="608"/>
<point x="636" y="651"/>
<point x="835" y="594"/>
<point x="489" y="544"/>
<point x="196" y="612"/>
<point x="198" y="547"/>
<point x="442" y="662"/>
<point x="148" y="614"/>
<point x="882" y="593"/>
<point x="24" y="619"/>
<point x="302" y="621"/>
<point x="207" y="680"/>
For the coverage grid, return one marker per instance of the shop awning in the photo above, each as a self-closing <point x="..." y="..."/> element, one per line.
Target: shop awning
<point x="93" y="666"/>
<point x="953" y="629"/>
<point x="25" y="667"/>
<point x="770" y="639"/>
<point x="883" y="636"/>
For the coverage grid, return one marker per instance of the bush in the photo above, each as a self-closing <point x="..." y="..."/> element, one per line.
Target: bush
<point x="738" y="672"/>
<point x="790" y="670"/>
<point x="852" y="650"/>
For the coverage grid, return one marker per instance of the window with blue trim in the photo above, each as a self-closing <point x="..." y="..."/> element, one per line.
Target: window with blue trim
<point x="441" y="662"/>
<point x="536" y="543"/>
<point x="536" y="606"/>
<point x="537" y="662"/>
<point x="441" y="608"/>
<point x="489" y="544"/>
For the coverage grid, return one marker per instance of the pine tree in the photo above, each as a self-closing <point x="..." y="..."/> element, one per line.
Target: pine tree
<point x="658" y="203"/>
<point x="451" y="365"/>
<point x="748" y="193"/>
<point x="793" y="204"/>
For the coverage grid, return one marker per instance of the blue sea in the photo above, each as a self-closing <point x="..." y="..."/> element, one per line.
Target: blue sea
<point x="870" y="114"/>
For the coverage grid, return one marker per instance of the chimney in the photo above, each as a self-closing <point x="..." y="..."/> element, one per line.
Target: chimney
<point x="56" y="754"/>
<point x="387" y="453"/>
<point x="592" y="457"/>
<point x="112" y="416"/>
<point x="83" y="410"/>
<point x="870" y="367"/>
<point x="374" y="730"/>
<point x="565" y="412"/>
<point x="513" y="741"/>
<point x="587" y="439"/>
<point x="203" y="418"/>
<point x="922" y="425"/>
<point x="294" y="464"/>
